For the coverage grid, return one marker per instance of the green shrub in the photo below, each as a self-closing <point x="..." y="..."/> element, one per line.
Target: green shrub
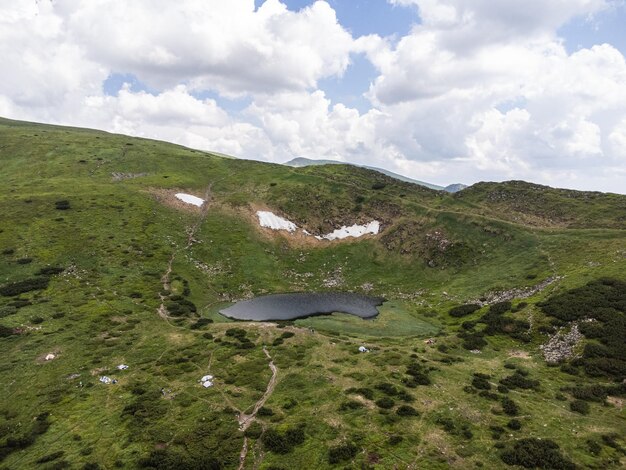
<point x="283" y="443"/>
<point x="378" y="185"/>
<point x="254" y="431"/>
<point x="406" y="410"/>
<point x="265" y="411"/>
<point x="518" y="380"/>
<point x="50" y="457"/>
<point x="463" y="310"/>
<point x="514" y="424"/>
<point x="418" y="375"/>
<point x="5" y="331"/>
<point x="62" y="205"/>
<point x="385" y="403"/>
<point x="341" y="453"/>
<point x="350" y="405"/>
<point x="481" y="382"/>
<point x="500" y="308"/>
<point x="536" y="453"/>
<point x="509" y="407"/>
<point x="579" y="406"/>
<point x="27" y="285"/>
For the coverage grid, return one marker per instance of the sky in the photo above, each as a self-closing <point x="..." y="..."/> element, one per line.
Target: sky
<point x="444" y="91"/>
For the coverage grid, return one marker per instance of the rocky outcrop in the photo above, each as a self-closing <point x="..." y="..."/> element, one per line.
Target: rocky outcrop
<point x="561" y="345"/>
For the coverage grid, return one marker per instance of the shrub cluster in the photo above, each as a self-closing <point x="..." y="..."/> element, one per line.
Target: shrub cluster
<point x="406" y="410"/>
<point x="519" y="380"/>
<point x="481" y="381"/>
<point x="13" y="444"/>
<point x="178" y="306"/>
<point x="579" y="406"/>
<point x="536" y="453"/>
<point x="283" y="443"/>
<point x="472" y="340"/>
<point x="27" y="285"/>
<point x="509" y="407"/>
<point x="455" y="427"/>
<point x="342" y="452"/>
<point x="605" y="301"/>
<point x="418" y="375"/>
<point x="62" y="205"/>
<point x="463" y="310"/>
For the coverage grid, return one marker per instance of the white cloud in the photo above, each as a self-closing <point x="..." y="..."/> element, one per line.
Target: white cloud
<point x="479" y="90"/>
<point x="213" y="44"/>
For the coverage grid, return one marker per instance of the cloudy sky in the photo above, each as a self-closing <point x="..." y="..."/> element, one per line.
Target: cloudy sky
<point x="439" y="90"/>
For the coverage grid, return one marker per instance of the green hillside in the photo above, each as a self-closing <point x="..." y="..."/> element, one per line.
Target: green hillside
<point x="101" y="265"/>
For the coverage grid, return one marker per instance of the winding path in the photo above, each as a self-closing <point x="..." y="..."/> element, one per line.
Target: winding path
<point x="245" y="420"/>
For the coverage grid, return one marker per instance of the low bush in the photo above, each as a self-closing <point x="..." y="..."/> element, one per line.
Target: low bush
<point x="350" y="405"/>
<point x="406" y="410"/>
<point x="418" y="375"/>
<point x="463" y="310"/>
<point x="509" y="407"/>
<point x="518" y="380"/>
<point x="265" y="411"/>
<point x="385" y="403"/>
<point x="481" y="382"/>
<point x="27" y="285"/>
<point x="342" y="453"/>
<point x="514" y="424"/>
<point x="62" y="205"/>
<point x="536" y="453"/>
<point x="283" y="443"/>
<point x="579" y="406"/>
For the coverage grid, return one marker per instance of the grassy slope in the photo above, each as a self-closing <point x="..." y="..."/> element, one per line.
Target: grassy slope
<point x="118" y="238"/>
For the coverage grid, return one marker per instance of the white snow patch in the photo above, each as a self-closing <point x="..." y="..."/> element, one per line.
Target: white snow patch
<point x="275" y="222"/>
<point x="190" y="199"/>
<point x="354" y="231"/>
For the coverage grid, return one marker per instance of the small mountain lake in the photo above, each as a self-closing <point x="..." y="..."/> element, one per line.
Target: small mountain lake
<point x="301" y="305"/>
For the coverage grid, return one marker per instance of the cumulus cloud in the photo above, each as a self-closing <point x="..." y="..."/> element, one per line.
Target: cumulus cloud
<point x="478" y="90"/>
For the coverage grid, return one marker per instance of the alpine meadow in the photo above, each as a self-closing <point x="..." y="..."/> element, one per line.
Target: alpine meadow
<point x="498" y="340"/>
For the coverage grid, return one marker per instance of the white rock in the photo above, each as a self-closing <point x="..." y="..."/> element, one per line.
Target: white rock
<point x="122" y="367"/>
<point x="206" y="378"/>
<point x="275" y="222"/>
<point x="190" y="199"/>
<point x="49" y="357"/>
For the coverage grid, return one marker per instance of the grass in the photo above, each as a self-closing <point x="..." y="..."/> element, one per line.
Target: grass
<point x="115" y="242"/>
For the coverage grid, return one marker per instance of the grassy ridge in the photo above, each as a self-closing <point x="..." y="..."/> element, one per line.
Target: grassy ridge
<point x="121" y="230"/>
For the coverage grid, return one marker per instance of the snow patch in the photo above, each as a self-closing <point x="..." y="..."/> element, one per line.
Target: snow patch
<point x="275" y="222"/>
<point x="354" y="231"/>
<point x="190" y="199"/>
<point x="270" y="220"/>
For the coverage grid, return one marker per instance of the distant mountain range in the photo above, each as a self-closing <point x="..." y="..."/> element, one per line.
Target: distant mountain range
<point x="301" y="162"/>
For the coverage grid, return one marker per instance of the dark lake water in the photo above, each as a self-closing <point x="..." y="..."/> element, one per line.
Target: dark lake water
<point x="292" y="306"/>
